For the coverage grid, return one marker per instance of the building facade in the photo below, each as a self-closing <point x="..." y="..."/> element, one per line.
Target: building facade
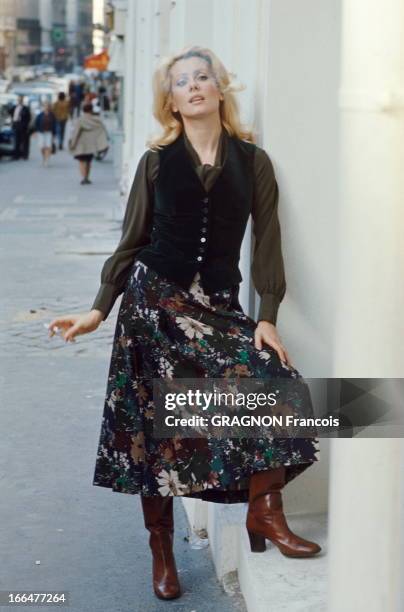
<point x="8" y="32"/>
<point x="55" y="32"/>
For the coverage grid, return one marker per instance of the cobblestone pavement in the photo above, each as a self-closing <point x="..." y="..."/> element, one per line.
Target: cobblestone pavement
<point x="58" y="531"/>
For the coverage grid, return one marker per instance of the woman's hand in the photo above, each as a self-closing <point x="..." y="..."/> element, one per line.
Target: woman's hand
<point x="267" y="333"/>
<point x="75" y="325"/>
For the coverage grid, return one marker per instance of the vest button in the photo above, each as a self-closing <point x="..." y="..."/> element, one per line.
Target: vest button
<point x="199" y="258"/>
<point x="206" y="200"/>
<point x="203" y="239"/>
<point x="204" y="219"/>
<point x="204" y="209"/>
<point x="204" y="230"/>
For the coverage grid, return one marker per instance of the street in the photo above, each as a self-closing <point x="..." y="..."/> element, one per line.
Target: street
<point x="58" y="531"/>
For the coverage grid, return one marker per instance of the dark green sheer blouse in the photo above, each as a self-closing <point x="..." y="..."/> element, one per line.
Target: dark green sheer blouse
<point x="267" y="267"/>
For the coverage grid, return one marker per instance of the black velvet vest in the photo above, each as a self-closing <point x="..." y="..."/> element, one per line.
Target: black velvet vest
<point x="195" y="230"/>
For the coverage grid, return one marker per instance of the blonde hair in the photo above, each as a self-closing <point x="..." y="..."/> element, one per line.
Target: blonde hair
<point x="171" y="122"/>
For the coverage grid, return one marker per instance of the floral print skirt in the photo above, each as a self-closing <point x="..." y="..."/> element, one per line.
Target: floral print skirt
<point x="163" y="330"/>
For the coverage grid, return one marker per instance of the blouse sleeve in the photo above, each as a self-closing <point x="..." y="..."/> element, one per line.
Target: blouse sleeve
<point x="267" y="268"/>
<point x="136" y="230"/>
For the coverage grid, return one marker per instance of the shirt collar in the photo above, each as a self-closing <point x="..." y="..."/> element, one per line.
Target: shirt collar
<point x="220" y="153"/>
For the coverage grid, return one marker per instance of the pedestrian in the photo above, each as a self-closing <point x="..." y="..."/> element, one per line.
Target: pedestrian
<point x="88" y="138"/>
<point x="177" y="266"/>
<point x="79" y="93"/>
<point x="104" y="98"/>
<point x="21" y="118"/>
<point x="72" y="98"/>
<point x="45" y="130"/>
<point x="89" y="98"/>
<point x="61" y="110"/>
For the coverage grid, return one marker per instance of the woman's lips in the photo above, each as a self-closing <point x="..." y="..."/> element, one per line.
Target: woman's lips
<point x="194" y="100"/>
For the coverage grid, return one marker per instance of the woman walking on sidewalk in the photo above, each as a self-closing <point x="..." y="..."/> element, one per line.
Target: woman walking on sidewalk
<point x="88" y="138"/>
<point x="177" y="266"/>
<point x="45" y="128"/>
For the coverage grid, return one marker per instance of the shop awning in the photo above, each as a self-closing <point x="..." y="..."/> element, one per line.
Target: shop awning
<point x="98" y="61"/>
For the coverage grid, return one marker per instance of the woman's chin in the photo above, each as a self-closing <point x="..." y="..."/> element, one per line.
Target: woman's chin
<point x="199" y="113"/>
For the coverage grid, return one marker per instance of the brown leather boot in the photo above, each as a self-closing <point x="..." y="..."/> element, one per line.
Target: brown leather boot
<point x="159" y="520"/>
<point x="265" y="518"/>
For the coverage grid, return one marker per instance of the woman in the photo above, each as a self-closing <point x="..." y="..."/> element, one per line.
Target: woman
<point x="89" y="136"/>
<point x="45" y="128"/>
<point x="180" y="316"/>
<point x="61" y="110"/>
<point x="72" y="98"/>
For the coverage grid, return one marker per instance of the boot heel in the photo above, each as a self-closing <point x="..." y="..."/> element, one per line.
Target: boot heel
<point x="257" y="542"/>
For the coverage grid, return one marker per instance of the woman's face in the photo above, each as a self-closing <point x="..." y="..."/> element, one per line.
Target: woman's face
<point x="194" y="92"/>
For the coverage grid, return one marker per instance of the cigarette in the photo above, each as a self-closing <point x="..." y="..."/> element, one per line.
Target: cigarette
<point x="55" y="329"/>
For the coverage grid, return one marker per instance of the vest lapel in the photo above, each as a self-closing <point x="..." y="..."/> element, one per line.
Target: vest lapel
<point x="198" y="168"/>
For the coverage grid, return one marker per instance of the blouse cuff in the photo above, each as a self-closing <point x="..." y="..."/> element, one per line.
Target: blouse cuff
<point x="105" y="298"/>
<point x="268" y="310"/>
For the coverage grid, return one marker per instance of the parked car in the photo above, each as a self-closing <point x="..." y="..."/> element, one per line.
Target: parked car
<point x="43" y="70"/>
<point x="7" y="139"/>
<point x="6" y="100"/>
<point x="4" y="85"/>
<point x="20" y="73"/>
<point x="59" y="83"/>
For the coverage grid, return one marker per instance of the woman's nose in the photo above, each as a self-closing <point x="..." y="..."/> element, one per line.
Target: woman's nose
<point x="193" y="85"/>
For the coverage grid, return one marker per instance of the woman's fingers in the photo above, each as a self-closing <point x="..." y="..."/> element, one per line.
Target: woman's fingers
<point x="71" y="326"/>
<point x="281" y="352"/>
<point x="260" y="338"/>
<point x="55" y="326"/>
<point x="288" y="359"/>
<point x="74" y="331"/>
<point x="283" y="355"/>
<point x="60" y="323"/>
<point x="277" y="346"/>
<point x="69" y="336"/>
<point x="258" y="342"/>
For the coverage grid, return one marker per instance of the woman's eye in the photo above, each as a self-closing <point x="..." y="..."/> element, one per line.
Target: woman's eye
<point x="183" y="81"/>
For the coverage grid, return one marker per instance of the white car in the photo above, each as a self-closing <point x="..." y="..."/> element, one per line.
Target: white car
<point x="35" y="96"/>
<point x="4" y="85"/>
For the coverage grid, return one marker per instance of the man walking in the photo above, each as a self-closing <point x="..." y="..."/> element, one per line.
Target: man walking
<point x="21" y="118"/>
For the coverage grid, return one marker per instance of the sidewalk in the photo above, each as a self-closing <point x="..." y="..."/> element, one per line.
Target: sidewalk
<point x="89" y="541"/>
